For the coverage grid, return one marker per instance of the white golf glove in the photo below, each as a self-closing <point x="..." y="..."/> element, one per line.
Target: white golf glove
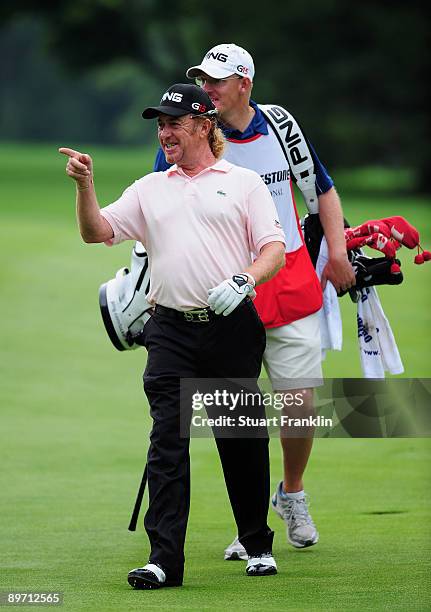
<point x="225" y="297"/>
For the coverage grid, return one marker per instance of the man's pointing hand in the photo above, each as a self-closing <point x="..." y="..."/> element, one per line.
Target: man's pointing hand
<point x="79" y="167"/>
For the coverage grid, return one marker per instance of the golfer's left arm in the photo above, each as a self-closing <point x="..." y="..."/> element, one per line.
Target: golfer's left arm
<point x="268" y="263"/>
<point x="224" y="298"/>
<point x="338" y="270"/>
<point x="266" y="240"/>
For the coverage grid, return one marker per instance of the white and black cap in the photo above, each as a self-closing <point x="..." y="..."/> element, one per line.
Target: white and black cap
<point x="223" y="60"/>
<point x="182" y="99"/>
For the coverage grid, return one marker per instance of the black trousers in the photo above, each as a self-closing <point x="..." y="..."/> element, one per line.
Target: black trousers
<point x="226" y="347"/>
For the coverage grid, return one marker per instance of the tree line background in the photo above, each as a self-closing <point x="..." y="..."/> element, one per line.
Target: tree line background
<point x="354" y="74"/>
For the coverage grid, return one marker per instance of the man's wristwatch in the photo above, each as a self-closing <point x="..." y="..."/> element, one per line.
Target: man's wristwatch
<point x="243" y="278"/>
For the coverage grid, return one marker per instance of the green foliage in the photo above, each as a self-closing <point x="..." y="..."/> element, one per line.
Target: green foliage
<point x="353" y="74"/>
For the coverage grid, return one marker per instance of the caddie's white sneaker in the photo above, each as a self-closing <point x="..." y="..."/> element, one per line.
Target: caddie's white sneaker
<point x="261" y="565"/>
<point x="235" y="551"/>
<point x="301" y="531"/>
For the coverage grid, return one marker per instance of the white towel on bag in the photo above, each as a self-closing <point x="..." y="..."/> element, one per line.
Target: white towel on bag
<point x="378" y="349"/>
<point x="331" y="329"/>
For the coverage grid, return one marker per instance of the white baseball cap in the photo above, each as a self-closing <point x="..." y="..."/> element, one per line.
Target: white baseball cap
<point x="224" y="60"/>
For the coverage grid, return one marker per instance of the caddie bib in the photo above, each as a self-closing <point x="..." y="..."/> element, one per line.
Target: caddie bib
<point x="295" y="291"/>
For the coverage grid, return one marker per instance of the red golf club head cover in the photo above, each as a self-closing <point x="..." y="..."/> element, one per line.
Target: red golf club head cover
<point x="402" y="231"/>
<point x="368" y="228"/>
<point x="376" y="241"/>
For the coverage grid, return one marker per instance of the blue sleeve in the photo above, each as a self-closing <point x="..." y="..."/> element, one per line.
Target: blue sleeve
<point x="160" y="163"/>
<point x="323" y="181"/>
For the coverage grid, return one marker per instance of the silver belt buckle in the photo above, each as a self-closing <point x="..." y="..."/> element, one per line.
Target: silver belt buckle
<point x="197" y="316"/>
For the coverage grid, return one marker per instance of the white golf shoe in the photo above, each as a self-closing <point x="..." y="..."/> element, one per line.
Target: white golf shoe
<point x="261" y="565"/>
<point x="301" y="531"/>
<point x="235" y="551"/>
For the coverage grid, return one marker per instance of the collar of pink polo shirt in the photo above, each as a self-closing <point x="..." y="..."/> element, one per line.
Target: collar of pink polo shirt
<point x="220" y="166"/>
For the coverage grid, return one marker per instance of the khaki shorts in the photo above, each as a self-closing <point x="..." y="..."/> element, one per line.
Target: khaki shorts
<point x="292" y="357"/>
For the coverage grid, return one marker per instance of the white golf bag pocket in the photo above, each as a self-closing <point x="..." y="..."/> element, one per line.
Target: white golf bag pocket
<point x="123" y="301"/>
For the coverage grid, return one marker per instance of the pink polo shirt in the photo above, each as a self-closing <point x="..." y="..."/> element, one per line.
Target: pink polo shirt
<point x="197" y="230"/>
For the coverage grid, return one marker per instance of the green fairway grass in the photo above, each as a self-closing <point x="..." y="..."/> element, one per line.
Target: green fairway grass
<point x="74" y="429"/>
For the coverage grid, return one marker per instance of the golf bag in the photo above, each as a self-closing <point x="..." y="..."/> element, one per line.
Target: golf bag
<point x="385" y="235"/>
<point x="123" y="301"/>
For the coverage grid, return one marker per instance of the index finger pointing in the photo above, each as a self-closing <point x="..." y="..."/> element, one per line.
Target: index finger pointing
<point x="69" y="152"/>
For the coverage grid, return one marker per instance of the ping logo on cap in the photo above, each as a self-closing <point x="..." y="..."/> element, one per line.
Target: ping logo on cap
<point x="173" y="96"/>
<point x="221" y="57"/>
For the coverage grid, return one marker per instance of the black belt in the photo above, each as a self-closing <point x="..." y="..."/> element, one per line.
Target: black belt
<point x="197" y="315"/>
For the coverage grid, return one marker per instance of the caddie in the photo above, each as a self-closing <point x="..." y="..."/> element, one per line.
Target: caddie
<point x="212" y="215"/>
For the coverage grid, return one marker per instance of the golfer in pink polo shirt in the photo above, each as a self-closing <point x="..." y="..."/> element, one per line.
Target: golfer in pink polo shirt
<point x="212" y="234"/>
